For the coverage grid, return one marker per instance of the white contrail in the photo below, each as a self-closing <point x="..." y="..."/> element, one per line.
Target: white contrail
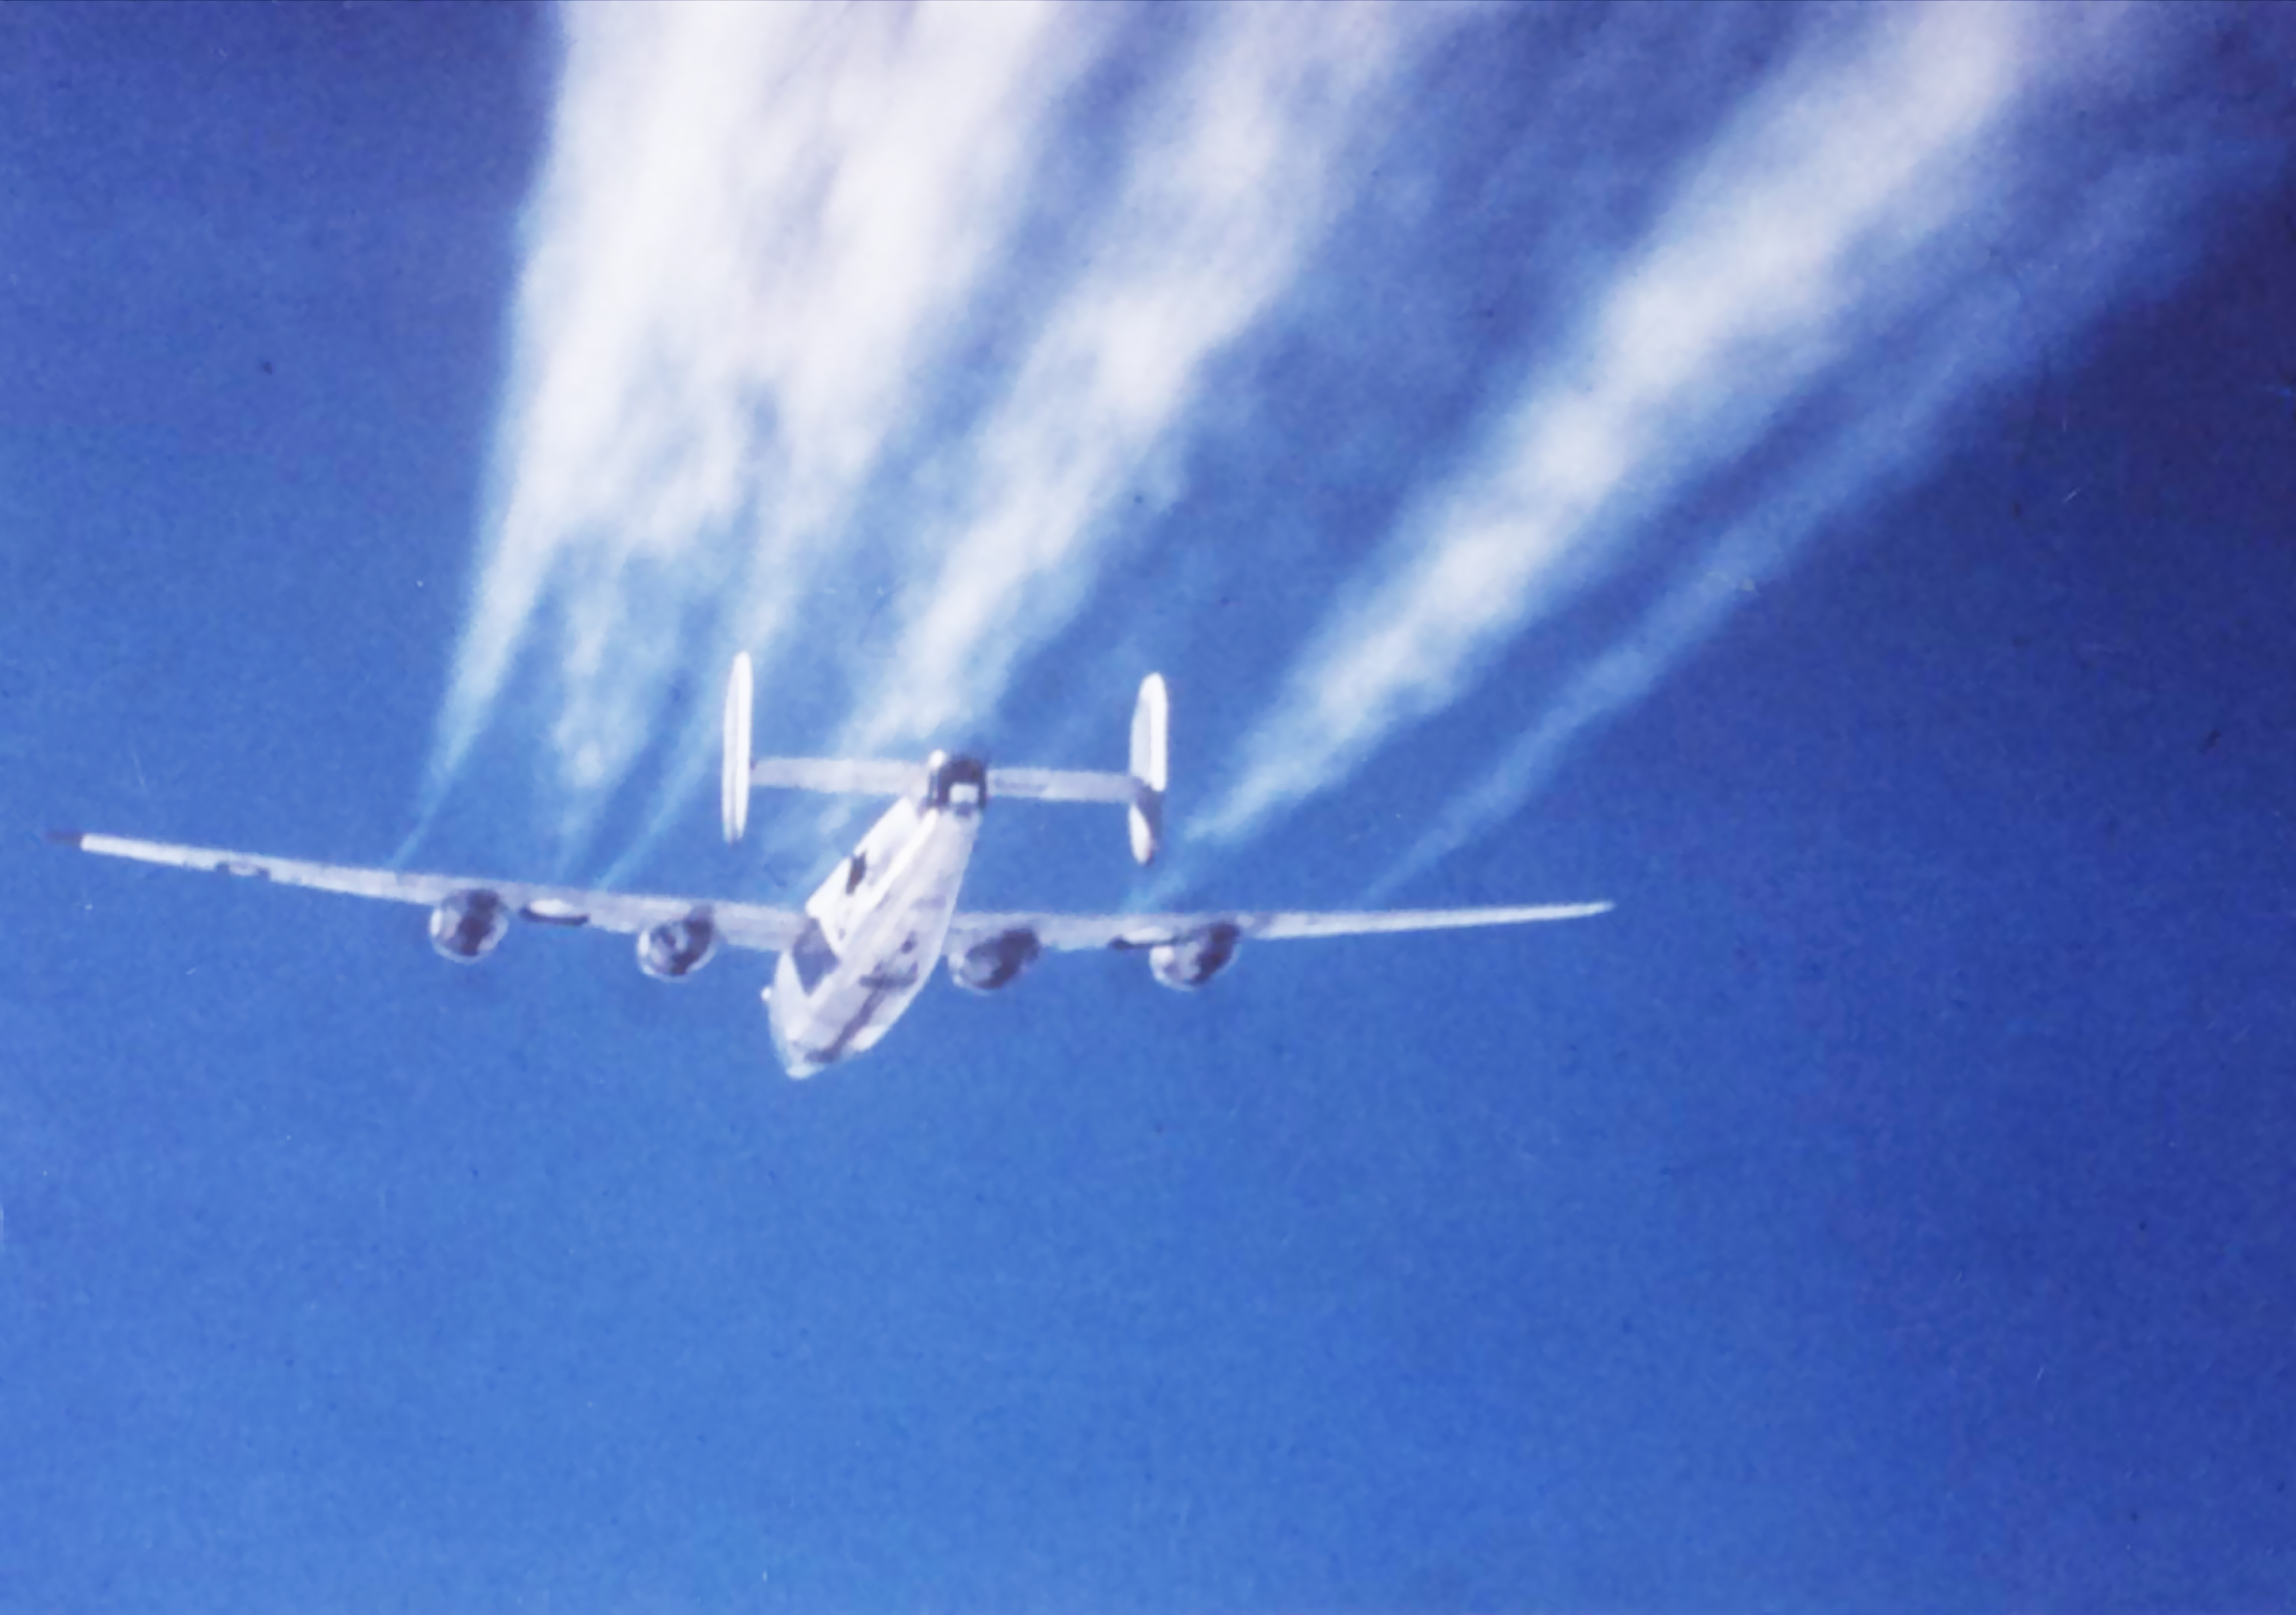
<point x="1971" y="339"/>
<point x="1239" y="168"/>
<point x="759" y="347"/>
<point x="757" y="228"/>
<point x="1805" y="224"/>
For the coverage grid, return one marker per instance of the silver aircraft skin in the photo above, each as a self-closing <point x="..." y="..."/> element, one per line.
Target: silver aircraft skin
<point x="878" y="924"/>
<point x="855" y="958"/>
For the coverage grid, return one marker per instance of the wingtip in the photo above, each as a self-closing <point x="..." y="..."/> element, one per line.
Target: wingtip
<point x="66" y="838"/>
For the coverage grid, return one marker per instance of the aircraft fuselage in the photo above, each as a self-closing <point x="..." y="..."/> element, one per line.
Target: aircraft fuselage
<point x="876" y="926"/>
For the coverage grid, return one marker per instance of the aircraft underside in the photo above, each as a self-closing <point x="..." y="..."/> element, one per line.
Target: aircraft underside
<point x="855" y="958"/>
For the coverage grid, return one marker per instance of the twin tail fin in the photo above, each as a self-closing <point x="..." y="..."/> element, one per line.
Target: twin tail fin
<point x="1140" y="792"/>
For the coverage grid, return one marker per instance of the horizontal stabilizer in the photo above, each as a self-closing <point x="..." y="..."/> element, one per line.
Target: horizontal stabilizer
<point x="1062" y="785"/>
<point x="1140" y="792"/>
<point x="850" y="777"/>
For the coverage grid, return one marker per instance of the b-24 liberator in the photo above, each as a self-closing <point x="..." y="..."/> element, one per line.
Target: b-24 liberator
<point x="865" y="944"/>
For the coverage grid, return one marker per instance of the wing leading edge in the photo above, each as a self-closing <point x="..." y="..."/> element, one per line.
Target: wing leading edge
<point x="739" y="924"/>
<point x="753" y="926"/>
<point x="1070" y="932"/>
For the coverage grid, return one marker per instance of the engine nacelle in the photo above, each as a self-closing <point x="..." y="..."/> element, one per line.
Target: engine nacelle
<point x="986" y="966"/>
<point x="466" y="927"/>
<point x="677" y="948"/>
<point x="1195" y="958"/>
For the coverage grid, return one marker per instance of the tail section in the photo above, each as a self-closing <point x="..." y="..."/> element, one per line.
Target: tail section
<point x="744" y="772"/>
<point x="1140" y="792"/>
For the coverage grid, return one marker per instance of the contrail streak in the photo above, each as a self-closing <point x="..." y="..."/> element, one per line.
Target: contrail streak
<point x="1973" y="337"/>
<point x="873" y="341"/>
<point x="1241" y="169"/>
<point x="757" y="228"/>
<point x="1809" y="223"/>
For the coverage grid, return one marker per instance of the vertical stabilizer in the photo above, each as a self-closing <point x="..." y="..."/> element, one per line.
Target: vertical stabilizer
<point x="1150" y="764"/>
<point x="734" y="787"/>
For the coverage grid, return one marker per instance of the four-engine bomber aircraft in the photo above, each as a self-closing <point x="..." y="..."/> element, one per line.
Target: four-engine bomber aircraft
<point x="859" y="952"/>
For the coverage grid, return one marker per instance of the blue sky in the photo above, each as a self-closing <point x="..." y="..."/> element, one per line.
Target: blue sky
<point x="1817" y="478"/>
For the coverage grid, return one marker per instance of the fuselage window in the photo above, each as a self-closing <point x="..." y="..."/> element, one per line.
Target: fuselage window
<point x="813" y="957"/>
<point x="857" y="873"/>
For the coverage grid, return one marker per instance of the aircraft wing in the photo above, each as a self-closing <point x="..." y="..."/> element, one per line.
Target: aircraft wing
<point x="1066" y="933"/>
<point x="738" y="924"/>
